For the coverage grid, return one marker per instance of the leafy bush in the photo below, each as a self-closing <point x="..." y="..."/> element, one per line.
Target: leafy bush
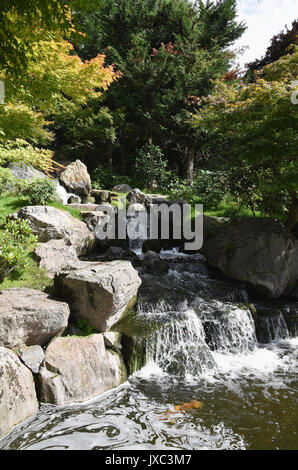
<point x="105" y="178"/>
<point x="19" y="151"/>
<point x="7" y="179"/>
<point x="151" y="167"/>
<point x="16" y="242"/>
<point x="208" y="188"/>
<point x="39" y="191"/>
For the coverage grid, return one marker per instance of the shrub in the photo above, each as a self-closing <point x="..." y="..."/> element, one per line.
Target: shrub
<point x="209" y="188"/>
<point x="7" y="180"/>
<point x="39" y="191"/>
<point x="16" y="242"/>
<point x="151" y="167"/>
<point x="105" y="178"/>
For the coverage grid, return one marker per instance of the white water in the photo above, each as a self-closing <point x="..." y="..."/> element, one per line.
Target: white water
<point x="179" y="346"/>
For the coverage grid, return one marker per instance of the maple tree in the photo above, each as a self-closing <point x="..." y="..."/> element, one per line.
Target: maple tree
<point x="255" y="126"/>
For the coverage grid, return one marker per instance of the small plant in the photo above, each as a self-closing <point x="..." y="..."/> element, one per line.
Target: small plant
<point x="39" y="191"/>
<point x="16" y="242"/>
<point x="7" y="180"/>
<point x="86" y="328"/>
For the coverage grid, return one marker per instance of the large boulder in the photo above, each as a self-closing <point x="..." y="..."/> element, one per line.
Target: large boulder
<point x="137" y="197"/>
<point x="26" y="172"/>
<point x="100" y="293"/>
<point x="49" y="223"/>
<point x="77" y="369"/>
<point x="55" y="256"/>
<point x="28" y="316"/>
<point x="17" y="391"/>
<point x="258" y="251"/>
<point x="76" y="179"/>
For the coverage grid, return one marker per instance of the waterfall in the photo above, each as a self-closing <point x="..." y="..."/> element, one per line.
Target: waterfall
<point x="272" y="328"/>
<point x="178" y="347"/>
<point x="186" y="341"/>
<point x="232" y="330"/>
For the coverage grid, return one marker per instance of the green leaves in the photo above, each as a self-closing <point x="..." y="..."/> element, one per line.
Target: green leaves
<point x="16" y="242"/>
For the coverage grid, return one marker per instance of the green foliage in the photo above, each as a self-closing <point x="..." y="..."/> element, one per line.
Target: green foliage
<point x="32" y="277"/>
<point x="86" y="328"/>
<point x="16" y="242"/>
<point x="167" y="51"/>
<point x="39" y="191"/>
<point x="19" y="151"/>
<point x="7" y="180"/>
<point x="281" y="44"/>
<point x="106" y="178"/>
<point x="256" y="128"/>
<point x="208" y="188"/>
<point x="150" y="167"/>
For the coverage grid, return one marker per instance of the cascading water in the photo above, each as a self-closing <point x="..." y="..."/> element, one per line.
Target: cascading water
<point x="194" y="337"/>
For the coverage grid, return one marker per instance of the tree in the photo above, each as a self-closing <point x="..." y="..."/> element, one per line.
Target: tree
<point x="22" y="23"/>
<point x="281" y="44"/>
<point x="167" y="51"/>
<point x="256" y="127"/>
<point x="56" y="82"/>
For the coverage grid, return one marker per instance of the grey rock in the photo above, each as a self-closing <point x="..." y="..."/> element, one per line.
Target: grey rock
<point x="30" y="317"/>
<point x="92" y="218"/>
<point x="122" y="188"/>
<point x="83" y="207"/>
<point x="17" y="391"/>
<point x="76" y="179"/>
<point x="153" y="262"/>
<point x="32" y="357"/>
<point x="74" y="200"/>
<point x="55" y="256"/>
<point x="112" y="340"/>
<point x="49" y="223"/>
<point x="258" y="251"/>
<point x="100" y="293"/>
<point x="100" y="195"/>
<point x="113" y="253"/>
<point x="137" y="197"/>
<point x="77" y="369"/>
<point x="26" y="172"/>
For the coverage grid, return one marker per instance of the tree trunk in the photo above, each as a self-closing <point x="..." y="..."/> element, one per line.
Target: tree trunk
<point x="110" y="155"/>
<point x="191" y="150"/>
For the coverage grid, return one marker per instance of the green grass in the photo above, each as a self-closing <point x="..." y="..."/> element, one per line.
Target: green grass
<point x="12" y="203"/>
<point x="32" y="277"/>
<point x="74" y="212"/>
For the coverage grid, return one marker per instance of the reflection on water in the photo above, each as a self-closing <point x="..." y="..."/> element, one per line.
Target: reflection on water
<point x="249" y="403"/>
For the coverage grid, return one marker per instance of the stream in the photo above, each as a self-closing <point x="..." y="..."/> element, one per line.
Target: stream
<point x="195" y="338"/>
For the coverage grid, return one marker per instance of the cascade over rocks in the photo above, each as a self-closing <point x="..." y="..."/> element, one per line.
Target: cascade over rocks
<point x="50" y="223"/>
<point x="258" y="251"/>
<point x="17" y="391"/>
<point x="77" y="369"/>
<point x="30" y="317"/>
<point x="100" y="293"/>
<point x="76" y="179"/>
